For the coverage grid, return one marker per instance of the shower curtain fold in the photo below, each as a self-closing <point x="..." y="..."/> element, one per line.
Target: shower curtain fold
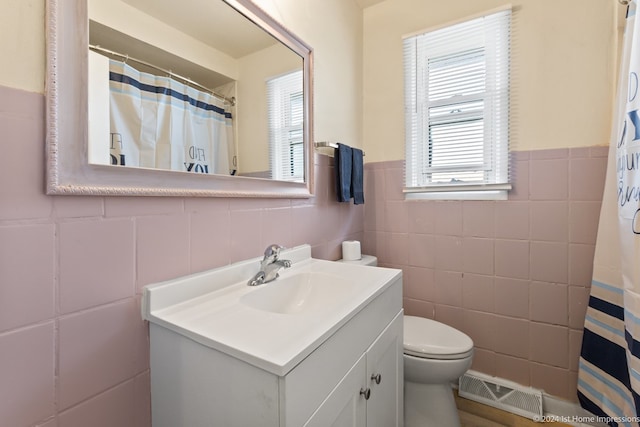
<point x="609" y="366"/>
<point x="158" y="122"/>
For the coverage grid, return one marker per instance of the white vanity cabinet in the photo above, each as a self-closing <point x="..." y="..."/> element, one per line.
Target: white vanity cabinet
<point x="216" y="363"/>
<point x="371" y="392"/>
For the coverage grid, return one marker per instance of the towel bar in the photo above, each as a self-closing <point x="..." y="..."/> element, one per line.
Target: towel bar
<point x="326" y="144"/>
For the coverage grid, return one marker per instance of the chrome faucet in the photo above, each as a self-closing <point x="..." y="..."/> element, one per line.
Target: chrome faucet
<point x="269" y="266"/>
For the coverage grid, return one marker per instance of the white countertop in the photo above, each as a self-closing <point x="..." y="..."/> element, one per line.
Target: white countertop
<point x="207" y="307"/>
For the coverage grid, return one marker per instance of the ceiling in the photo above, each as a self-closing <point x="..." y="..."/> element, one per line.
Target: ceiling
<point x="211" y="22"/>
<point x="367" y="3"/>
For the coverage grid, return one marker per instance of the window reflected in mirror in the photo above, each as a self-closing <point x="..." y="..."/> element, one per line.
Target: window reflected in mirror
<point x="285" y="111"/>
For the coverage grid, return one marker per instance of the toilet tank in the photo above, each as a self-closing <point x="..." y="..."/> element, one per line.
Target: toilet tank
<point x="365" y="260"/>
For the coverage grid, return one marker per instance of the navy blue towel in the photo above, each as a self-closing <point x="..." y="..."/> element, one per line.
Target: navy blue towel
<point x="357" y="172"/>
<point x="343" y="160"/>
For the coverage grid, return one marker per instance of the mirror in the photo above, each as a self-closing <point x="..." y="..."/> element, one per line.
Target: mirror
<point x="145" y="40"/>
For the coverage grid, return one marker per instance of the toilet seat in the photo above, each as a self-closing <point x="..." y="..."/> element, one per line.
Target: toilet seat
<point x="429" y="339"/>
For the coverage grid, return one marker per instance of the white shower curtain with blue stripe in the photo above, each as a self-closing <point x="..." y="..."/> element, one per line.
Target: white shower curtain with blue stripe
<point x="158" y="122"/>
<point x="609" y="369"/>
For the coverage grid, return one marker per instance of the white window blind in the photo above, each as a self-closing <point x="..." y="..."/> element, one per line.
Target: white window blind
<point x="286" y="112"/>
<point x="457" y="107"/>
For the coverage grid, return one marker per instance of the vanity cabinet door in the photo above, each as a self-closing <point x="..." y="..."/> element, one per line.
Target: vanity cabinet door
<point x="345" y="406"/>
<point x="385" y="377"/>
<point x="370" y="394"/>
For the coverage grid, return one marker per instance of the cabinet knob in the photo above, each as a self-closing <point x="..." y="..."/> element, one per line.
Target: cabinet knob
<point x="366" y="393"/>
<point x="377" y="378"/>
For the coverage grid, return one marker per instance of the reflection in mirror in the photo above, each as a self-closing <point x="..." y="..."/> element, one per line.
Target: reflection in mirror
<point x="197" y="88"/>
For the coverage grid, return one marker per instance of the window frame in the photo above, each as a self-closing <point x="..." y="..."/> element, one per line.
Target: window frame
<point x="419" y="125"/>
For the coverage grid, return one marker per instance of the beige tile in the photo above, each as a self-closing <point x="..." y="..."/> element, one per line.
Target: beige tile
<point x="484" y="361"/>
<point x="513" y="369"/>
<point x="97" y="262"/>
<point x="549" y="344"/>
<point x="78" y="207"/>
<point x="477" y="255"/>
<point x="396" y="216"/>
<point x="162" y="248"/>
<point x="114" y="407"/>
<point x="550" y="221"/>
<point x="98" y="349"/>
<point x="27" y="369"/>
<point x="512" y="220"/>
<point x="419" y="308"/>
<point x="478" y="292"/>
<point x="419" y="283"/>
<point x="397" y="248"/>
<point x="583" y="222"/>
<point x="303" y="228"/>
<point x="448" y="285"/>
<point x="578" y="303"/>
<point x="421" y="216"/>
<point x="575" y="347"/>
<point x="422" y="250"/>
<point x="27" y="274"/>
<point x="550" y="154"/>
<point x="581" y="264"/>
<point x="549" y="262"/>
<point x="142" y="399"/>
<point x="452" y="316"/>
<point x="448" y="253"/>
<point x="549" y="303"/>
<point x="553" y="380"/>
<point x="448" y="218"/>
<point x="549" y="179"/>
<point x="511" y="297"/>
<point x="394" y="183"/>
<point x="512" y="259"/>
<point x="139" y="206"/>
<point x="482" y="328"/>
<point x="586" y="181"/>
<point x="210" y="240"/>
<point x="512" y="336"/>
<point x="477" y="219"/>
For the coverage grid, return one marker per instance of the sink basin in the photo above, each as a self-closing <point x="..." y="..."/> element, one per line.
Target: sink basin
<point x="273" y="326"/>
<point x="301" y="292"/>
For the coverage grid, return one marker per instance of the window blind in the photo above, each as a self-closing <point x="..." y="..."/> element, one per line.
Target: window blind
<point x="286" y="113"/>
<point x="457" y="106"/>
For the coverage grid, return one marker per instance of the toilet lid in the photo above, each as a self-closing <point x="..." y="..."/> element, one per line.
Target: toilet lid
<point x="434" y="340"/>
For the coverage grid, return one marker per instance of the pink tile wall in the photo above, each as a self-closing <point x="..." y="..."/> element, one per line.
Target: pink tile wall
<point x="73" y="348"/>
<point x="514" y="275"/>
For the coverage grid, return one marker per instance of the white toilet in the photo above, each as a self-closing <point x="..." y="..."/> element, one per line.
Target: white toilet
<point x="435" y="355"/>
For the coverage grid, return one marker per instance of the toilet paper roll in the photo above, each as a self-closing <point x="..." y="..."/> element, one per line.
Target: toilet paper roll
<point x="351" y="250"/>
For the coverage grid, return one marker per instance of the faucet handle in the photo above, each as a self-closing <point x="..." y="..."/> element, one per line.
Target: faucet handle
<point x="272" y="251"/>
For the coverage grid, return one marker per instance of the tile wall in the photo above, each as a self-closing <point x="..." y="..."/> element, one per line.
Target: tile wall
<point x="73" y="348"/>
<point x="514" y="275"/>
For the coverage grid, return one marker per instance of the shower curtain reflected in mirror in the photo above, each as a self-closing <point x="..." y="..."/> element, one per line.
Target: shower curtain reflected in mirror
<point x="160" y="123"/>
<point x="609" y="369"/>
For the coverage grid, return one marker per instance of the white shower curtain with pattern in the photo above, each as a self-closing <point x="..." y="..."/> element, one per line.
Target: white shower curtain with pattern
<point x="609" y="369"/>
<point x="158" y="122"/>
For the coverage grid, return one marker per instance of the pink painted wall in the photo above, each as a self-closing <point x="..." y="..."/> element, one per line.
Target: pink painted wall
<point x="73" y="348"/>
<point x="514" y="275"/>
